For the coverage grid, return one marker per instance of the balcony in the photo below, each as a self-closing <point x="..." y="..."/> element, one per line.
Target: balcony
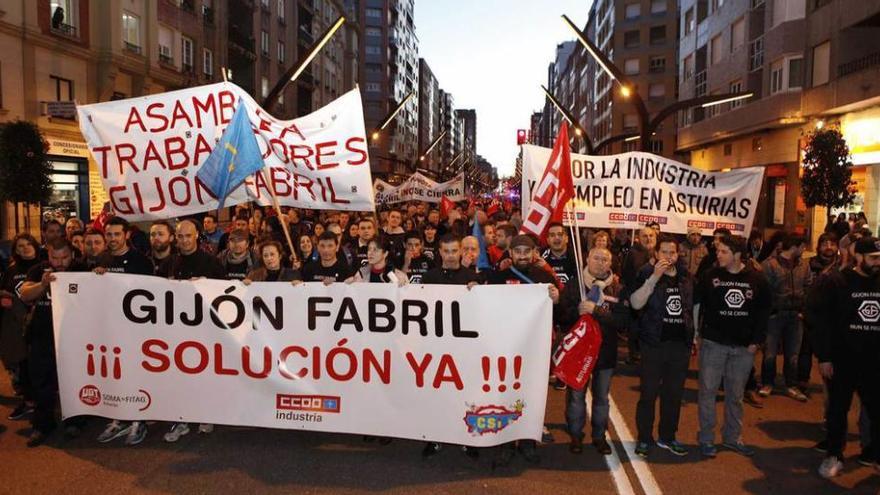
<point x="188" y="6"/>
<point x="208" y="16"/>
<point x="131" y="47"/>
<point x="859" y="64"/>
<point x="65" y="30"/>
<point x="166" y="59"/>
<point x="305" y="35"/>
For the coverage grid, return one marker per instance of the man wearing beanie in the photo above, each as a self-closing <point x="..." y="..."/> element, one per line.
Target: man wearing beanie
<point x="523" y="270"/>
<point x="844" y="313"/>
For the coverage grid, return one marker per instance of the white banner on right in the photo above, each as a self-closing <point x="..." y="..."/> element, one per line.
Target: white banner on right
<point x="628" y="190"/>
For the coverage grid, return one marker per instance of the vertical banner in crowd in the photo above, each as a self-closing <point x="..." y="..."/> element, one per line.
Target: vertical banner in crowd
<point x="631" y="189"/>
<point x="148" y="151"/>
<point x="437" y="363"/>
<point x="417" y="187"/>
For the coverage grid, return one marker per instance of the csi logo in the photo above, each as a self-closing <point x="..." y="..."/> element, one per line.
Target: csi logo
<point x="90" y="395"/>
<point x="313" y="403"/>
<point x="673" y="305"/>
<point x="735" y="298"/>
<point x="869" y="311"/>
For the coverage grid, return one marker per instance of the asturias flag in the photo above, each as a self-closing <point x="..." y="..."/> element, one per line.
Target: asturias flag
<point x="483" y="260"/>
<point x="236" y="156"/>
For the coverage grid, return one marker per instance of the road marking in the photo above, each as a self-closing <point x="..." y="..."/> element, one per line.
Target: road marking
<point x="641" y="468"/>
<point x="618" y="474"/>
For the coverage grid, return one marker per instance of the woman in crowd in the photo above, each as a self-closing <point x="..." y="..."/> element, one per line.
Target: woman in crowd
<point x="272" y="270"/>
<point x="307" y="251"/>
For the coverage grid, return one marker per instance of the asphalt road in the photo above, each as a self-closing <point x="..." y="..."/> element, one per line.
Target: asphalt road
<point x="248" y="460"/>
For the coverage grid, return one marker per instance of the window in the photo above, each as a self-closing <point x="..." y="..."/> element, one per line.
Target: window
<point x="821" y="63"/>
<point x="166" y="41"/>
<point x="281" y="9"/>
<point x="373" y="68"/>
<point x="631" y="66"/>
<point x="281" y="52"/>
<point x="264" y="86"/>
<point x="65" y="20"/>
<point x="689" y="21"/>
<point x="787" y="10"/>
<point x="373" y="31"/>
<point x="688" y="68"/>
<point x="373" y="50"/>
<point x="628" y="146"/>
<point x="207" y="62"/>
<point x="656" y="146"/>
<point x="631" y="39"/>
<point x="630" y="122"/>
<point x="658" y="6"/>
<point x="186" y="50"/>
<point x="374" y="13"/>
<point x="736" y="87"/>
<point x="657" y="65"/>
<point x="715" y="50"/>
<point x="131" y="32"/>
<point x="657" y="90"/>
<point x="63" y="88"/>
<point x="795" y="73"/>
<point x="756" y="54"/>
<point x="658" y="35"/>
<point x="373" y="87"/>
<point x="633" y="10"/>
<point x="757" y="144"/>
<point x="264" y="42"/>
<point x="717" y="4"/>
<point x="737" y="34"/>
<point x="728" y="149"/>
<point x="776" y="76"/>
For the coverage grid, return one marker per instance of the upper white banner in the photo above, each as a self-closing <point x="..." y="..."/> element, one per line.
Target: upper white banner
<point x="417" y="187"/>
<point x="148" y="150"/>
<point x="628" y="190"/>
<point x="436" y="363"/>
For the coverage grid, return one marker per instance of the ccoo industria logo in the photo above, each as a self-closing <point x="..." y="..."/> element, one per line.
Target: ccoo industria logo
<point x="491" y="419"/>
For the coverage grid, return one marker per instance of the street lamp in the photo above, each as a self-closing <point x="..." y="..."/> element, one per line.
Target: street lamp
<point x="647" y="125"/>
<point x="295" y="70"/>
<point x="572" y="120"/>
<point x="431" y="147"/>
<point x="388" y="118"/>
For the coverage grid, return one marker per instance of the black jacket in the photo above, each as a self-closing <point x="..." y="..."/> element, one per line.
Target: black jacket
<point x="611" y="316"/>
<point x="650" y="321"/>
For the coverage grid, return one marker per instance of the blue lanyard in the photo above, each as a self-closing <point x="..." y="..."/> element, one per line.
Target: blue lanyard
<point x="521" y="275"/>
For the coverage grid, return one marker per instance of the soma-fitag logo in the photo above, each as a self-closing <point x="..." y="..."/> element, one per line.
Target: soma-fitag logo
<point x="673" y="305"/>
<point x="869" y="311"/>
<point x="735" y="298"/>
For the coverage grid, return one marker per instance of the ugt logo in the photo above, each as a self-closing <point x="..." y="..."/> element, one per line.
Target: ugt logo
<point x="734" y="298"/>
<point x="673" y="305"/>
<point x="869" y="311"/>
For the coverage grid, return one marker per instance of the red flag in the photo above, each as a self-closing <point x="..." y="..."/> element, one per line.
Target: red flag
<point x="553" y="191"/>
<point x="576" y="356"/>
<point x="445" y="206"/>
<point x="494" y="206"/>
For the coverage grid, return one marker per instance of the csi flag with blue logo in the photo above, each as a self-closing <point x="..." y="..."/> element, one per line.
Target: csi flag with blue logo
<point x="235" y="157"/>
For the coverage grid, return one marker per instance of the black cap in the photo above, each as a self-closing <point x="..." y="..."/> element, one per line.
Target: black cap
<point x="868" y="245"/>
<point x="522" y="240"/>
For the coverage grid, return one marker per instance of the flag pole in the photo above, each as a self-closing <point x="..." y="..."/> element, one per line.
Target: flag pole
<point x="576" y="240"/>
<point x="284" y="225"/>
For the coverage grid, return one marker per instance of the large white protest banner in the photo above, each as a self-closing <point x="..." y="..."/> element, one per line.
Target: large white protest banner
<point x="417" y="187"/>
<point x="631" y="189"/>
<point x="148" y="151"/>
<point x="437" y="363"/>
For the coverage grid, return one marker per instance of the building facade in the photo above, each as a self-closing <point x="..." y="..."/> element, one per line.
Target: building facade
<point x="429" y="117"/>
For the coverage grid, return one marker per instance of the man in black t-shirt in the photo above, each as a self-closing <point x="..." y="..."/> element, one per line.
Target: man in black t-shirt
<point x="430" y="244"/>
<point x="190" y="261"/>
<point x="329" y="267"/>
<point x="558" y="255"/>
<point x="523" y="271"/>
<point x="366" y="233"/>
<point x="161" y="243"/>
<point x="120" y="258"/>
<point x="237" y="260"/>
<point x="415" y="263"/>
<point x="41" y="339"/>
<point x="664" y="299"/>
<point x="732" y="303"/>
<point x="843" y="312"/>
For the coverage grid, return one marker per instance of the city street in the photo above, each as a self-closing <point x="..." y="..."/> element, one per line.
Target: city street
<point x="247" y="460"/>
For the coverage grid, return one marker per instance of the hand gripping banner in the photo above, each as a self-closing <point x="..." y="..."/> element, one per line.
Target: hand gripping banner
<point x="434" y="363"/>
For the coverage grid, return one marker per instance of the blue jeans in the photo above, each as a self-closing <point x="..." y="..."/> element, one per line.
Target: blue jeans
<point x="732" y="364"/>
<point x="784" y="328"/>
<point x="576" y="406"/>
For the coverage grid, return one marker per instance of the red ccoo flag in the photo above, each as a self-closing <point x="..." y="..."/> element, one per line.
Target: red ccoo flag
<point x="445" y="205"/>
<point x="553" y="191"/>
<point x="494" y="206"/>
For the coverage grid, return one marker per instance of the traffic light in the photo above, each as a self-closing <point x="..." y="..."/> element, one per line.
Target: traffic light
<point x="521" y="136"/>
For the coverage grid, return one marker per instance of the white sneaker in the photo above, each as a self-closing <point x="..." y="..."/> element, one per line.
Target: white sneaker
<point x="765" y="391"/>
<point x="137" y="433"/>
<point x="206" y="428"/>
<point x="177" y="430"/>
<point x="113" y="431"/>
<point x="830" y="467"/>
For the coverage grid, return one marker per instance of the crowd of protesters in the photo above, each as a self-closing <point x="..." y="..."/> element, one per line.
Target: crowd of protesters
<point x="658" y="299"/>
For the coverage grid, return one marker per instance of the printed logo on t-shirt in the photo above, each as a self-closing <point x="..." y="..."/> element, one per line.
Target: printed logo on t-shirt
<point x="673" y="305"/>
<point x="869" y="311"/>
<point x="734" y="298"/>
